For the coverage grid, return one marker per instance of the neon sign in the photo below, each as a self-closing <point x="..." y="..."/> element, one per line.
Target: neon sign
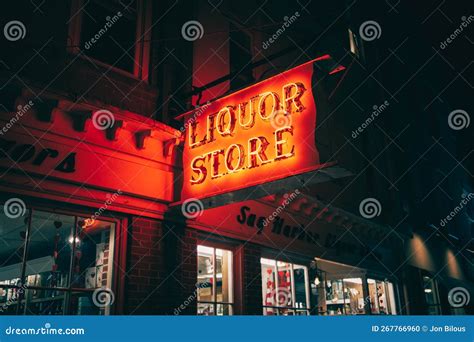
<point x="260" y="133"/>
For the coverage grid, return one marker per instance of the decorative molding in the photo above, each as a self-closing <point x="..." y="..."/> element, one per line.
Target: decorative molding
<point x="169" y="145"/>
<point x="79" y="120"/>
<point x="112" y="132"/>
<point x="140" y="138"/>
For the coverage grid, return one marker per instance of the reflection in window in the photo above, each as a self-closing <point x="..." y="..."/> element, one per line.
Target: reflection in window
<point x="430" y="287"/>
<point x="67" y="258"/>
<point x="12" y="240"/>
<point x="284" y="288"/>
<point x="109" y="29"/>
<point x="214" y="285"/>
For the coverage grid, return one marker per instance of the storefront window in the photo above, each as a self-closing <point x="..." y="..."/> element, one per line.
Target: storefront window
<point x="284" y="288"/>
<point x="13" y="230"/>
<point x="431" y="295"/>
<point x="119" y="37"/>
<point x="214" y="285"/>
<point x="382" y="297"/>
<point x="345" y="297"/>
<point x="67" y="258"/>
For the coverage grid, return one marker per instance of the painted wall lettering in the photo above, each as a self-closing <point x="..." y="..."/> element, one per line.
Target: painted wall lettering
<point x="38" y="156"/>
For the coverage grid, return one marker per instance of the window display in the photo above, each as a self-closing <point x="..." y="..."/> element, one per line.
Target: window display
<point x="382" y="297"/>
<point x="285" y="288"/>
<point x="214" y="285"/>
<point x="67" y="257"/>
<point x="345" y="297"/>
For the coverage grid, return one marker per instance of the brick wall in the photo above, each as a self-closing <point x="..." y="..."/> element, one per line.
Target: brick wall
<point x="162" y="270"/>
<point x="252" y="280"/>
<point x="144" y="278"/>
<point x="186" y="272"/>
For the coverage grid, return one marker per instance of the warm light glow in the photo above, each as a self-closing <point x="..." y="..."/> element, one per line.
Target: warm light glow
<point x="241" y="140"/>
<point x="71" y="240"/>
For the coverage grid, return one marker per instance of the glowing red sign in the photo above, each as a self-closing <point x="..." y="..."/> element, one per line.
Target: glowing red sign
<point x="261" y="133"/>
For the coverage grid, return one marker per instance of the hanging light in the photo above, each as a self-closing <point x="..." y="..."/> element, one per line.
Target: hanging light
<point x="71" y="240"/>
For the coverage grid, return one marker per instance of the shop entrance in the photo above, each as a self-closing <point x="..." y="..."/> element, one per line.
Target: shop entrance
<point x="341" y="289"/>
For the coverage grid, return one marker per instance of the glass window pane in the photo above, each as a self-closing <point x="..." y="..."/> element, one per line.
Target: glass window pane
<point x="205" y="274"/>
<point x="431" y="295"/>
<point x="335" y="297"/>
<point x="49" y="249"/>
<point x="205" y="309"/>
<point x="284" y="285"/>
<point x="224" y="276"/>
<point x="93" y="254"/>
<point x="301" y="313"/>
<point x="374" y="305"/>
<point x="430" y="291"/>
<point x="391" y="298"/>
<point x="81" y="303"/>
<point x="268" y="283"/>
<point x="44" y="302"/>
<point x="269" y="311"/>
<point x="48" y="261"/>
<point x="224" y="309"/>
<point x="113" y="43"/>
<point x="12" y="239"/>
<point x="354" y="297"/>
<point x="218" y="278"/>
<point x="382" y="298"/>
<point x="299" y="275"/>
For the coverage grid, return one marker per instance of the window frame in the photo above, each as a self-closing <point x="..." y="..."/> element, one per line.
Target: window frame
<point x="391" y="303"/>
<point x="292" y="309"/>
<point x="232" y="305"/>
<point x="141" y="63"/>
<point x="115" y="280"/>
<point x="435" y="293"/>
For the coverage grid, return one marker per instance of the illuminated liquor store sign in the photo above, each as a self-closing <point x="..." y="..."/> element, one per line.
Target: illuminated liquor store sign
<point x="261" y="133"/>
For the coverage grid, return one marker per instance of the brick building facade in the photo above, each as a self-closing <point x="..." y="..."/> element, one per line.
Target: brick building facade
<point x="98" y="202"/>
